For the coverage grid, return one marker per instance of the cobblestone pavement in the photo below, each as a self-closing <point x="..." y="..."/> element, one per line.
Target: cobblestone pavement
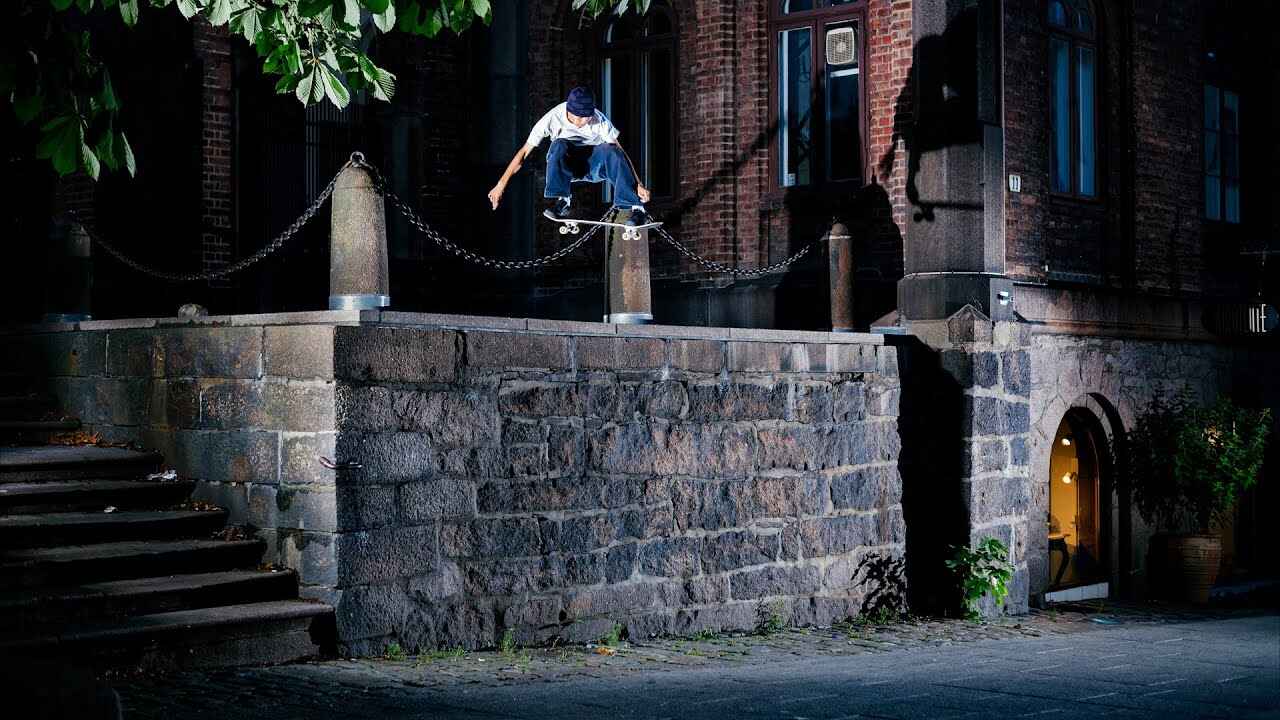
<point x="1118" y="661"/>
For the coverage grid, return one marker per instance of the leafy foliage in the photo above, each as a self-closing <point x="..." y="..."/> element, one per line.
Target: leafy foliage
<point x="981" y="570"/>
<point x="1187" y="465"/>
<point x="54" y="81"/>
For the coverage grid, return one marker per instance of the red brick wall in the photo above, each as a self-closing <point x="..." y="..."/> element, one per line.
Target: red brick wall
<point x="726" y="208"/>
<point x="1149" y="159"/>
<point x="213" y="47"/>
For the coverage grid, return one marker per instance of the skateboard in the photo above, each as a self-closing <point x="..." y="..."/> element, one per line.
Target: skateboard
<point x="572" y="225"/>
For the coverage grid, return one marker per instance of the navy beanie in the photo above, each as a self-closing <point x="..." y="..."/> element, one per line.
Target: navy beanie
<point x="581" y="102"/>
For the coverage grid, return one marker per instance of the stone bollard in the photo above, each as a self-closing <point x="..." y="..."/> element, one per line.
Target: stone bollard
<point x="628" y="299"/>
<point x="358" y="275"/>
<point x="70" y="288"/>
<point x="840" y="255"/>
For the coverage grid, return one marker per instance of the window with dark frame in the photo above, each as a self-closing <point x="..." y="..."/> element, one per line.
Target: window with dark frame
<point x="1221" y="154"/>
<point x="816" y="91"/>
<point x="1073" y="103"/>
<point x="637" y="91"/>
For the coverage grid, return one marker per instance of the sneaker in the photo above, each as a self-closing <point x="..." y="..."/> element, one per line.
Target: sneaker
<point x="637" y="217"/>
<point x="559" y="209"/>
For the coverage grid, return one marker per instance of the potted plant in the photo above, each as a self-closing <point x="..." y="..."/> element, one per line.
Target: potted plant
<point x="1187" y="466"/>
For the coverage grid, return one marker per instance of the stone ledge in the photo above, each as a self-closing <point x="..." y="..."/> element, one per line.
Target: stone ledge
<point x="455" y="322"/>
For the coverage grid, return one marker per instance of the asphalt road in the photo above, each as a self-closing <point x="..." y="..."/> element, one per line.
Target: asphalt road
<point x="1227" y="668"/>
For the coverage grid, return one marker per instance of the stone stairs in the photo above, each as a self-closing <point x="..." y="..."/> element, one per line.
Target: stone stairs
<point x="102" y="566"/>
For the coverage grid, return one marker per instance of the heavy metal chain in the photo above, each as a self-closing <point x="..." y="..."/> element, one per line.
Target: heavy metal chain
<point x="482" y="260"/>
<point x="268" y="249"/>
<point x="714" y="266"/>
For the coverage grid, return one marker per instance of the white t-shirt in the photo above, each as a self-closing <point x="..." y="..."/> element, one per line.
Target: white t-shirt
<point x="555" y="125"/>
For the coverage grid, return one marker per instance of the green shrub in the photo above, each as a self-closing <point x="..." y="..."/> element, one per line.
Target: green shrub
<point x="1187" y="465"/>
<point x="981" y="570"/>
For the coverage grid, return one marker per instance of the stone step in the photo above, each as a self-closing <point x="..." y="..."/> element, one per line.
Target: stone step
<point x="95" y="494"/>
<point x="33" y="431"/>
<point x="250" y="633"/>
<point x="73" y="462"/>
<point x="31" y="609"/>
<point x="32" y="567"/>
<point x="72" y="528"/>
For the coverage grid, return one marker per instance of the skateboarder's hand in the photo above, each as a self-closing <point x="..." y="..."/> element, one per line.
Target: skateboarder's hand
<point x="495" y="195"/>
<point x="643" y="193"/>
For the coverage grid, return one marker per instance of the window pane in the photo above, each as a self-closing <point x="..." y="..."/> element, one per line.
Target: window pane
<point x="844" y="137"/>
<point x="1212" y="154"/>
<point x="1085" y="73"/>
<point x="659" y="22"/>
<point x="617" y="97"/>
<point x="659" y="132"/>
<point x="1057" y="13"/>
<point x="1230" y="155"/>
<point x="1084" y="21"/>
<point x="795" y="92"/>
<point x="1230" y="112"/>
<point x="1210" y="107"/>
<point x="791" y="6"/>
<point x="1232" y="213"/>
<point x="1212" y="198"/>
<point x="1060" y="116"/>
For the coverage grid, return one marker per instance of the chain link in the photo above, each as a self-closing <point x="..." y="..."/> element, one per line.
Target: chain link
<point x="268" y="249"/>
<point x="714" y="266"/>
<point x="468" y="255"/>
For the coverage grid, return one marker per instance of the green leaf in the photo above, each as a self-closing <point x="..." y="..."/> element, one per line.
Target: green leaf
<point x="293" y="57"/>
<point x="408" y="19"/>
<point x="91" y="165"/>
<point x="351" y="12"/>
<point x="334" y="89"/>
<point x="61" y="5"/>
<point x="317" y="85"/>
<point x="377" y="6"/>
<point x="386" y="20"/>
<point x="106" y="151"/>
<point x="107" y="96"/>
<point x="481" y="7"/>
<point x="124" y="154"/>
<point x="128" y="11"/>
<point x="384" y="84"/>
<point x="303" y="91"/>
<point x="247" y="23"/>
<point x="312" y="8"/>
<point x="84" y="5"/>
<point x="188" y="8"/>
<point x="219" y="12"/>
<point x="28" y="108"/>
<point x="286" y="84"/>
<point x="60" y="142"/>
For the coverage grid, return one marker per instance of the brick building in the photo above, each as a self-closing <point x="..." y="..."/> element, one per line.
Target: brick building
<point x="1061" y="210"/>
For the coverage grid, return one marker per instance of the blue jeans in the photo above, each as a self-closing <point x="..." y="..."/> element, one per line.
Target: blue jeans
<point x="568" y="162"/>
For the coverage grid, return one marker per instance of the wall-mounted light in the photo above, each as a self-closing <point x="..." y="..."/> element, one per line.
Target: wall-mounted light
<point x="1067" y="478"/>
<point x="1066" y="441"/>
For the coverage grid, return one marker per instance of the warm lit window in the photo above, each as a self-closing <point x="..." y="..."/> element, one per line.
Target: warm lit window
<point x="638" y="85"/>
<point x="1073" y="82"/>
<point x="1221" y="154"/>
<point x="817" y="91"/>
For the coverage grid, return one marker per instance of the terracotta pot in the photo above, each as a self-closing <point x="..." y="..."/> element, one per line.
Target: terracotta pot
<point x="1191" y="565"/>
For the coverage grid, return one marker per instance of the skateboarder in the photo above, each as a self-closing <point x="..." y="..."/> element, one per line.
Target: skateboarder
<point x="584" y="148"/>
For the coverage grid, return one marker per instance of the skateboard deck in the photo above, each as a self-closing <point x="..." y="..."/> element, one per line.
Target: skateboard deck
<point x="573" y="226"/>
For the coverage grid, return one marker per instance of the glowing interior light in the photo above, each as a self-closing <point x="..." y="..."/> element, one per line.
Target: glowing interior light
<point x="1066" y="441"/>
<point x="1067" y="478"/>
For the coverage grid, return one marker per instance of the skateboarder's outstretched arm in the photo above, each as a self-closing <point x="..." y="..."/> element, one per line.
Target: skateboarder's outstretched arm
<point x="641" y="190"/>
<point x="512" y="168"/>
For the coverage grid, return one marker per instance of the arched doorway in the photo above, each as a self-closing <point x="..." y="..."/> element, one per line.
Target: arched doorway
<point x="1079" y="510"/>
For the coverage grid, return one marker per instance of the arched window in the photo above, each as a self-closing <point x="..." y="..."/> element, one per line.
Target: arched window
<point x="637" y="90"/>
<point x="1073" y="97"/>
<point x="816" y="59"/>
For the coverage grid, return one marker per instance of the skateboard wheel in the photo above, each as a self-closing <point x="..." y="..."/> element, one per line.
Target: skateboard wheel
<point x="564" y="229"/>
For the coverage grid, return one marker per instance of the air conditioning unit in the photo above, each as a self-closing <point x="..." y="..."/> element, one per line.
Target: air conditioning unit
<point x="841" y="46"/>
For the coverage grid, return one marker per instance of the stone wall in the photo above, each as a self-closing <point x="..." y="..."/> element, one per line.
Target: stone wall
<point x="552" y="478"/>
<point x="560" y="481"/>
<point x="243" y="404"/>
<point x="1111" y="382"/>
